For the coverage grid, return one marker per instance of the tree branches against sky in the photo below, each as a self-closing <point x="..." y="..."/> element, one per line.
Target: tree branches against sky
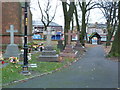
<point x="95" y="16"/>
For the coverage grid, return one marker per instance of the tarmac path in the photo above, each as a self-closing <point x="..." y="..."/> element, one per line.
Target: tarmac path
<point x="92" y="71"/>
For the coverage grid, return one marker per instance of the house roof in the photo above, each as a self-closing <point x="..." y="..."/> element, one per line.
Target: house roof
<point x="95" y="34"/>
<point x="90" y="25"/>
<point x="39" y="23"/>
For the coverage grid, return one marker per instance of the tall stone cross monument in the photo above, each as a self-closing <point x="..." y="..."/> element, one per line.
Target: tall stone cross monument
<point x="12" y="34"/>
<point x="12" y="49"/>
<point x="49" y="34"/>
<point x="69" y="36"/>
<point x="48" y="54"/>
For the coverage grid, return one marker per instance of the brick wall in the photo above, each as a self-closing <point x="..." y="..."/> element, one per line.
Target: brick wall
<point x="11" y="14"/>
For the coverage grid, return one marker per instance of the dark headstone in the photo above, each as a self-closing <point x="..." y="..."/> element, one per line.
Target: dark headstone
<point x="68" y="52"/>
<point x="78" y="46"/>
<point x="60" y="45"/>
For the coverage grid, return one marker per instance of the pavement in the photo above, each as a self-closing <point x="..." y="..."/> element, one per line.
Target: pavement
<point x="93" y="70"/>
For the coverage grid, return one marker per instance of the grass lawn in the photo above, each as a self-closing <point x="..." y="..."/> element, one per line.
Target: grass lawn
<point x="12" y="73"/>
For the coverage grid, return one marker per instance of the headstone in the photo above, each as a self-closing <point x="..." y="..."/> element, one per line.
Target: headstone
<point x="12" y="49"/>
<point x="69" y="51"/>
<point x="78" y="46"/>
<point x="60" y="45"/>
<point x="48" y="54"/>
<point x="69" y="37"/>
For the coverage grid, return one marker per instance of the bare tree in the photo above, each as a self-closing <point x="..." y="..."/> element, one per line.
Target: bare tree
<point x="109" y="10"/>
<point x="46" y="17"/>
<point x="115" y="50"/>
<point x="68" y="10"/>
<point x="85" y="7"/>
<point x="77" y="20"/>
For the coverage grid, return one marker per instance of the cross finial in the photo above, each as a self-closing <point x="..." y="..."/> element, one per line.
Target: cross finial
<point x="12" y="33"/>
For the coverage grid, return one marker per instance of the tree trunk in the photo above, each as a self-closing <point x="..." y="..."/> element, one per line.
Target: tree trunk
<point x="66" y="28"/>
<point x="115" y="50"/>
<point x="83" y="29"/>
<point x="77" y="22"/>
<point x="68" y="14"/>
<point x="109" y="34"/>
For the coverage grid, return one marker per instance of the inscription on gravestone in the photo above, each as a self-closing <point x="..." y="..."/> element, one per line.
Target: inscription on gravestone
<point x="12" y="49"/>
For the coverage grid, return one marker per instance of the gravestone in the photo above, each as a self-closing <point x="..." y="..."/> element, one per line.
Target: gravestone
<point x="78" y="46"/>
<point x="48" y="54"/>
<point x="69" y="51"/>
<point x="60" y="45"/>
<point x="12" y="49"/>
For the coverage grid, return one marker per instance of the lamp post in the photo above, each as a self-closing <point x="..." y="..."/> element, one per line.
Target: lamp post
<point x="25" y="66"/>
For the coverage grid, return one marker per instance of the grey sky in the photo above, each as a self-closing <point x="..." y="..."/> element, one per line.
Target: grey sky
<point x="95" y="15"/>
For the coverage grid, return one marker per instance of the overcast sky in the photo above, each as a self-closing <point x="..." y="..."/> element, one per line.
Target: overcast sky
<point x="95" y="15"/>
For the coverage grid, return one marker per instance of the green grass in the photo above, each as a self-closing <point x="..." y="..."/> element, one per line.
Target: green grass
<point x="44" y="66"/>
<point x="12" y="71"/>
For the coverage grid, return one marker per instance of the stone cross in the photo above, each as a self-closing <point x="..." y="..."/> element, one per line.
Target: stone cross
<point x="69" y="36"/>
<point x="49" y="33"/>
<point x="12" y="33"/>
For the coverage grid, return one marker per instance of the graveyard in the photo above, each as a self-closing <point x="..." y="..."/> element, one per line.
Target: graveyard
<point x="40" y="62"/>
<point x="11" y="72"/>
<point x="67" y="47"/>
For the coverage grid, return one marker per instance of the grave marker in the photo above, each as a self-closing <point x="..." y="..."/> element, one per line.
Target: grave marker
<point x="69" y="37"/>
<point x="48" y="54"/>
<point x="12" y="49"/>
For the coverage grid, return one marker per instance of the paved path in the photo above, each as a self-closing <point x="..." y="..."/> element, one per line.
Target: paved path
<point x="92" y="71"/>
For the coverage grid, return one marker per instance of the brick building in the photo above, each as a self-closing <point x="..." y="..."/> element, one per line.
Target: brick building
<point x="38" y="28"/>
<point x="13" y="13"/>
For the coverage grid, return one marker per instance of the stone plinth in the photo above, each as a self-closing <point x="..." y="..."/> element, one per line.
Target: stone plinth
<point x="12" y="51"/>
<point x="79" y="47"/>
<point x="48" y="55"/>
<point x="68" y="52"/>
